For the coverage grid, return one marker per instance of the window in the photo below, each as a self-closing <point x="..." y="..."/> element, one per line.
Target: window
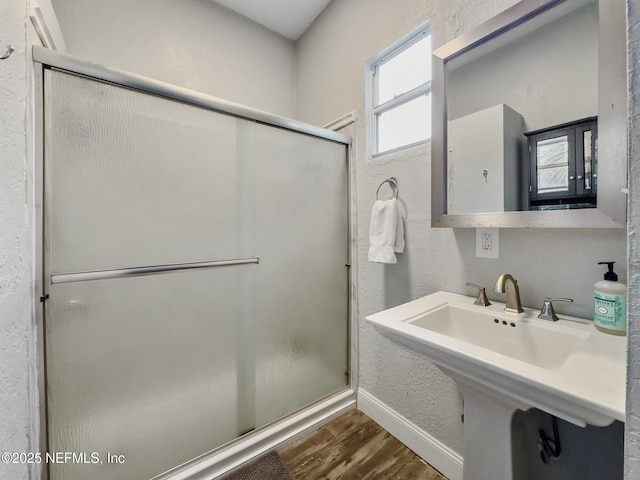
<point x="563" y="165"/>
<point x="399" y="93"/>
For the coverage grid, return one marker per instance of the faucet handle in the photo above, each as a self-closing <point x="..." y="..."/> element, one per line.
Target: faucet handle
<point x="547" y="312"/>
<point x="481" y="299"/>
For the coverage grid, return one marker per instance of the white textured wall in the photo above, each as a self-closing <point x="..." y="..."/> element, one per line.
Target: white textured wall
<point x="15" y="242"/>
<point x="331" y="59"/>
<point x="191" y="43"/>
<point x="632" y="434"/>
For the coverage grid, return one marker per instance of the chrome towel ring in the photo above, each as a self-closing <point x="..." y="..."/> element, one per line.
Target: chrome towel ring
<point x="7" y="53"/>
<point x="393" y="183"/>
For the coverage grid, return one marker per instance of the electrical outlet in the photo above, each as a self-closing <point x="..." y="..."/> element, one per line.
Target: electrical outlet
<point x="487" y="242"/>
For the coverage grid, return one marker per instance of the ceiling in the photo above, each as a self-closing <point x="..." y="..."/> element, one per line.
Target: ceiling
<point x="289" y="18"/>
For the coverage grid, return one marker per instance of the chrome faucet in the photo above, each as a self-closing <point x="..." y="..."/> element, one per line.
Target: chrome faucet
<point x="509" y="284"/>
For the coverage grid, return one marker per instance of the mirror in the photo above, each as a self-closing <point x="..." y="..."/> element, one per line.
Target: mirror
<point x="519" y="106"/>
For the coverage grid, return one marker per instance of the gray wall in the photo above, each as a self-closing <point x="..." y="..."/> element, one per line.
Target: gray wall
<point x="546" y="262"/>
<point x="191" y="43"/>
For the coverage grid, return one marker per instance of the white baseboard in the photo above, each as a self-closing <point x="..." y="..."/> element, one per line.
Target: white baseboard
<point x="431" y="450"/>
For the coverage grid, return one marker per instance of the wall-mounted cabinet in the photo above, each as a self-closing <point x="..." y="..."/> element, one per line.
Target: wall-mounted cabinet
<point x="484" y="159"/>
<point x="563" y="166"/>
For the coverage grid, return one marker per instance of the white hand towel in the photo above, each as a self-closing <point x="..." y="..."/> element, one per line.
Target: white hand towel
<point x="386" y="232"/>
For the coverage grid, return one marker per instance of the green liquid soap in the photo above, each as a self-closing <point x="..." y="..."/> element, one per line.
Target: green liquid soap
<point x="610" y="303"/>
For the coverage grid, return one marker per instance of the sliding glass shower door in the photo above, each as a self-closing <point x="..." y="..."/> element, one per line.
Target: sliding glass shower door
<point x="165" y="338"/>
<point x="302" y="280"/>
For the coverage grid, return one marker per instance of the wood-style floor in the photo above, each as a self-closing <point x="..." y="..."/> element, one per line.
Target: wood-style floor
<point x="354" y="447"/>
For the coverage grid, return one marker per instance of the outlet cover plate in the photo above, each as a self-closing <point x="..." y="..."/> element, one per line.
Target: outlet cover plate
<point x="487" y="237"/>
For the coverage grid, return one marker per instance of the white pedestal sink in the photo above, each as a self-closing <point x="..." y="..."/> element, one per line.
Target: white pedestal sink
<point x="506" y="362"/>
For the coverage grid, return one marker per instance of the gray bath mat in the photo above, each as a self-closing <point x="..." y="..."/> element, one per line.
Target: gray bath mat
<point x="266" y="467"/>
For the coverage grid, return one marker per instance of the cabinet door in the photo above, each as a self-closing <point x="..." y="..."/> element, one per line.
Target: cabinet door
<point x="553" y="165"/>
<point x="563" y="165"/>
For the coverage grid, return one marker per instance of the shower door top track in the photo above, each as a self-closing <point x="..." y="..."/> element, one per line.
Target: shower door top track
<point x="79" y="66"/>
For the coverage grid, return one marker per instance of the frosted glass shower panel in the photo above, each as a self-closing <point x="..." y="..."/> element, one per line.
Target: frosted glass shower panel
<point x="137" y="180"/>
<point x="144" y="367"/>
<point x="302" y="288"/>
<point x="163" y="368"/>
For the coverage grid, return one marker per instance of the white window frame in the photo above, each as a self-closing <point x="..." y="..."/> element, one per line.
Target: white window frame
<point x="373" y="108"/>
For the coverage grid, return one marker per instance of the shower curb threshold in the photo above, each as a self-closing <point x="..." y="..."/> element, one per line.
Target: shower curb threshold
<point x="223" y="460"/>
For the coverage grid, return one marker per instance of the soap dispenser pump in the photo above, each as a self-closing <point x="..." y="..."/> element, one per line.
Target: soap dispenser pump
<point x="610" y="303"/>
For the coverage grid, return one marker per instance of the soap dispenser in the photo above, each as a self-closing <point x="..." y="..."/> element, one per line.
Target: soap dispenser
<point x="610" y="303"/>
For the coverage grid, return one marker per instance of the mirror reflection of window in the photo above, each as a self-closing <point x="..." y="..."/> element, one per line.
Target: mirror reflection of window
<point x="563" y="165"/>
<point x="553" y="164"/>
<point x="588" y="147"/>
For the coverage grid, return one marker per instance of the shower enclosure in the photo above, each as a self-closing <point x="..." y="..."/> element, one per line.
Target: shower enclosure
<point x="195" y="273"/>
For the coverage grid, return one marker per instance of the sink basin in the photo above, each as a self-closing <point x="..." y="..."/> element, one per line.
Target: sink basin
<point x="503" y="362"/>
<point x="566" y="368"/>
<point x="536" y="343"/>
